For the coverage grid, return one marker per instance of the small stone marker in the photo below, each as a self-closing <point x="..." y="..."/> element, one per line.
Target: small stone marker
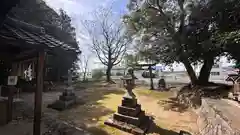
<point x="161" y="84"/>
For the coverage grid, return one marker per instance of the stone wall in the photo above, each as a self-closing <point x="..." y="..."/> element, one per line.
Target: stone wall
<point x="210" y="121"/>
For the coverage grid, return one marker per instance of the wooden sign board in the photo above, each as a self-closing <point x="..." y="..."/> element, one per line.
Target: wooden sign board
<point x="12" y="80"/>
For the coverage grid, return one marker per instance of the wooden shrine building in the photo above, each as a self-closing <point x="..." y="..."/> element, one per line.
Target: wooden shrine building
<point x="24" y="45"/>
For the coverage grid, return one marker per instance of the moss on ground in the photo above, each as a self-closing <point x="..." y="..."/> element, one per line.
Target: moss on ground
<point x="152" y="93"/>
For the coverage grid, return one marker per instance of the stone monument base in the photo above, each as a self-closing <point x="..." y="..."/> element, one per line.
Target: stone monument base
<point x="66" y="100"/>
<point x="130" y="117"/>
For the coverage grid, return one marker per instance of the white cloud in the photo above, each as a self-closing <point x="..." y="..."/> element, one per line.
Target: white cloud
<point x="79" y="10"/>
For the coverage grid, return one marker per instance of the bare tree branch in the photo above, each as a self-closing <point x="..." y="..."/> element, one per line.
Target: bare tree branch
<point x="108" y="38"/>
<point x="84" y="61"/>
<point x="159" y="8"/>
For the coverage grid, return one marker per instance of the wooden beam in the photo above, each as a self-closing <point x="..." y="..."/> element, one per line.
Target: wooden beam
<point x="38" y="94"/>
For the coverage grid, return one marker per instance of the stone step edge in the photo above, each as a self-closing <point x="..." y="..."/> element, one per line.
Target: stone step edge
<point x="211" y="123"/>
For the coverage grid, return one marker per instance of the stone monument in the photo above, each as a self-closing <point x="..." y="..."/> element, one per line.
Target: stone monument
<point x="162" y="84"/>
<point x="68" y="97"/>
<point x="129" y="117"/>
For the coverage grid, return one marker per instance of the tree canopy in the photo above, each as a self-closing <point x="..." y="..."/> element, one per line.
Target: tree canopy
<point x="184" y="31"/>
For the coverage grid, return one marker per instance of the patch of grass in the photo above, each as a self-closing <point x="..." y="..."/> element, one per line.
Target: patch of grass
<point x="151" y="93"/>
<point x="107" y="129"/>
<point x="101" y="102"/>
<point x="111" y="101"/>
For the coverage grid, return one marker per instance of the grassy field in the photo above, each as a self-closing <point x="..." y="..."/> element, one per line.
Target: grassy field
<point x="101" y="101"/>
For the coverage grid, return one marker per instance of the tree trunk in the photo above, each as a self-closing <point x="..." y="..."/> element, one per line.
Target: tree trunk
<point x="151" y="78"/>
<point x="190" y="71"/>
<point x="84" y="73"/>
<point x="108" y="73"/>
<point x="84" y="76"/>
<point x="205" y="71"/>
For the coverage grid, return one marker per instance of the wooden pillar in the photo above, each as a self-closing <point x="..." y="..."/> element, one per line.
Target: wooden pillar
<point x="10" y="103"/>
<point x="11" y="93"/>
<point x="38" y="94"/>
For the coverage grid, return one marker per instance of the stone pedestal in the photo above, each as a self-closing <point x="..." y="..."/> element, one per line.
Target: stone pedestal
<point x="129" y="117"/>
<point x="66" y="100"/>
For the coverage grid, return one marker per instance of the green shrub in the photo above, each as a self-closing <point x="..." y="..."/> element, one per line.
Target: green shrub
<point x="119" y="74"/>
<point x="98" y="74"/>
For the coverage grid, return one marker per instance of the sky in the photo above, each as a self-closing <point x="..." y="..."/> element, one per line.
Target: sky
<point x="80" y="10"/>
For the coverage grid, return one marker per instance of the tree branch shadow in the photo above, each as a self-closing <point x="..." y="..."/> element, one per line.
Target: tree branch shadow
<point x="158" y="130"/>
<point x="155" y="129"/>
<point x="173" y="105"/>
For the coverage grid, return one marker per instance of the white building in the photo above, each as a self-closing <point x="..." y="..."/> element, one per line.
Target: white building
<point x="88" y="75"/>
<point x="219" y="72"/>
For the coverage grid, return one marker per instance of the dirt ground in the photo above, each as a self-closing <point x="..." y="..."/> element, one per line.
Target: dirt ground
<point x="101" y="101"/>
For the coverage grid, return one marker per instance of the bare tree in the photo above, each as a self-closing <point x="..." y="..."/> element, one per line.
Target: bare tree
<point x="108" y="38"/>
<point x="84" y="61"/>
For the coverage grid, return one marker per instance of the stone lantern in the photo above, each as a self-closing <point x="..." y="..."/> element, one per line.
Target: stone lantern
<point x="129" y="117"/>
<point x="129" y="84"/>
<point x="68" y="98"/>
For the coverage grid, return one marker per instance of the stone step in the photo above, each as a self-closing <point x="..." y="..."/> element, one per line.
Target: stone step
<point x="129" y="111"/>
<point x="67" y="98"/>
<point x="129" y="102"/>
<point x="127" y="119"/>
<point x="127" y="127"/>
<point x="62" y="105"/>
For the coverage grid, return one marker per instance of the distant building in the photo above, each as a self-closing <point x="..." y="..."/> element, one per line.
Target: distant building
<point x="88" y="75"/>
<point x="219" y="71"/>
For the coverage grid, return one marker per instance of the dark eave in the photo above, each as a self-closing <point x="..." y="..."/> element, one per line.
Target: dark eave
<point x="5" y="7"/>
<point x="14" y="29"/>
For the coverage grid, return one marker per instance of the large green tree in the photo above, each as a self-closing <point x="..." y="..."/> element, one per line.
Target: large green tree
<point x="227" y="19"/>
<point x="175" y="30"/>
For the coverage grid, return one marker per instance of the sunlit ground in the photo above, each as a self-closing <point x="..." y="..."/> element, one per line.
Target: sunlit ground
<point x="102" y="102"/>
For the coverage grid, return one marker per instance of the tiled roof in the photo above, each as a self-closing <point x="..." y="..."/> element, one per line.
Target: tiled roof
<point x="19" y="30"/>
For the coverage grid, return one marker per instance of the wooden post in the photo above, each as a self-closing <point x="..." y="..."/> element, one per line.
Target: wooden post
<point x="38" y="94"/>
<point x="10" y="103"/>
<point x="151" y="79"/>
<point x="10" y="94"/>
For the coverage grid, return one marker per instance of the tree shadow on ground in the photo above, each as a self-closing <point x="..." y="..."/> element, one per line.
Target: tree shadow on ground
<point x="155" y="129"/>
<point x="97" y="131"/>
<point x="173" y="105"/>
<point x="216" y="91"/>
<point x="93" y="112"/>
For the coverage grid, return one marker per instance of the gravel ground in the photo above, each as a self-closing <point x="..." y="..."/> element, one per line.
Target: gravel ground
<point x="23" y="118"/>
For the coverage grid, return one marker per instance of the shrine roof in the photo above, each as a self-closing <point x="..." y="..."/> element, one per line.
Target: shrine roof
<point x="13" y="29"/>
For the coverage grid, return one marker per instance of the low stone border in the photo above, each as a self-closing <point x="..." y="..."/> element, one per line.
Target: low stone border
<point x="211" y="123"/>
